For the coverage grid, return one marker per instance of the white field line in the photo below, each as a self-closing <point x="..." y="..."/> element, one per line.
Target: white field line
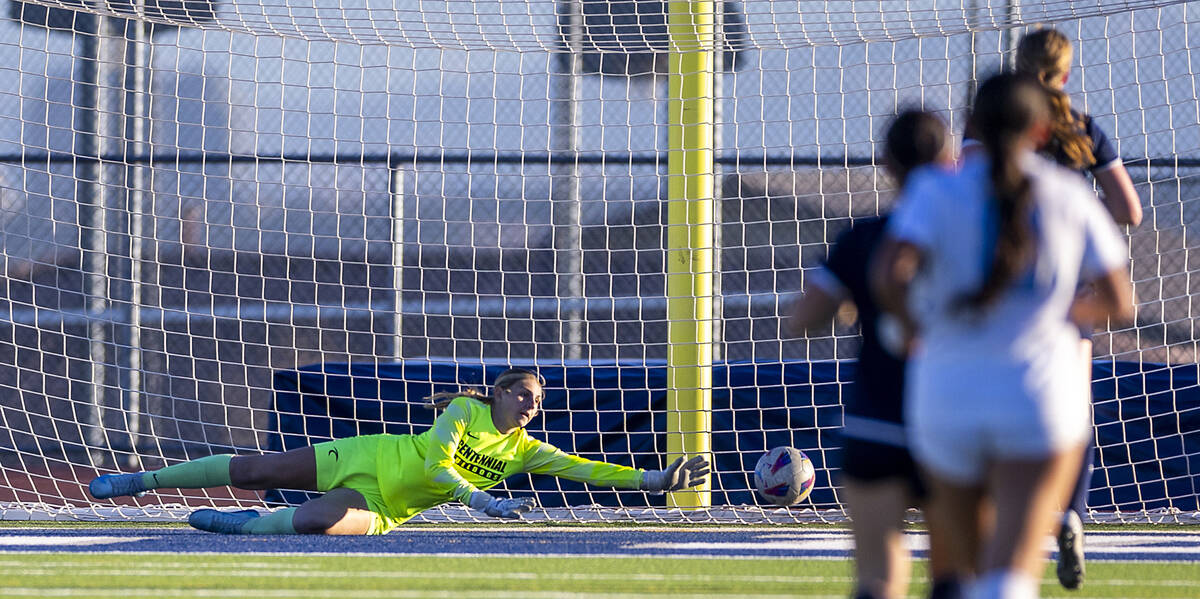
<point x="380" y="554"/>
<point x="224" y="572"/>
<point x="21" y="564"/>
<point x="780" y="531"/>
<point x="391" y="594"/>
<point x="368" y="594"/>
<point x="505" y="527"/>
<point x="264" y="569"/>
<point x="447" y="555"/>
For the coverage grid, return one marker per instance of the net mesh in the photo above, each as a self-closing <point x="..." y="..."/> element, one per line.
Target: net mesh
<point x="186" y="211"/>
<point x="615" y="26"/>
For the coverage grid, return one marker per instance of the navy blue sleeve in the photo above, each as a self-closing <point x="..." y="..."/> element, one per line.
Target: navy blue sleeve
<point x="841" y="260"/>
<point x="1102" y="147"/>
<point x="850" y="257"/>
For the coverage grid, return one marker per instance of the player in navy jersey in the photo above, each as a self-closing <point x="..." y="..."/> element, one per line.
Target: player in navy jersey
<point x="879" y="477"/>
<point x="1077" y="143"/>
<point x="986" y="262"/>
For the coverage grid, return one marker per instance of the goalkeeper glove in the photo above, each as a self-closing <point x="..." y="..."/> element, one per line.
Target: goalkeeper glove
<point x="678" y="476"/>
<point x="498" y="507"/>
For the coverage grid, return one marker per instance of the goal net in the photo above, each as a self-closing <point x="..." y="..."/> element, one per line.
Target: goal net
<point x="241" y="226"/>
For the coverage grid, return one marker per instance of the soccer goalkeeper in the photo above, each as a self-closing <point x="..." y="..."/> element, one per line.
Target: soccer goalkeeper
<point x="374" y="483"/>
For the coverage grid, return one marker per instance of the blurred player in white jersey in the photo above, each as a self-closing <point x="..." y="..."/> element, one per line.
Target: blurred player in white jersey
<point x="994" y="254"/>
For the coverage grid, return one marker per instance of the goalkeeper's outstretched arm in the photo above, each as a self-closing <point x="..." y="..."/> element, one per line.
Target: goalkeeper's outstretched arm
<point x="543" y="458"/>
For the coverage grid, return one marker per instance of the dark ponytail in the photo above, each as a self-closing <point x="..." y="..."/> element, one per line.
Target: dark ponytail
<point x="505" y="380"/>
<point x="1005" y="109"/>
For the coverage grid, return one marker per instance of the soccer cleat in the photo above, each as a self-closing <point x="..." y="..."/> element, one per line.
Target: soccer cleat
<point x="229" y="523"/>
<point x="117" y="485"/>
<point x="1070" y="551"/>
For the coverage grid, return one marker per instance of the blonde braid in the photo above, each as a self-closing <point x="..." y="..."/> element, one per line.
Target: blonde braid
<point x="443" y="399"/>
<point x="1046" y="56"/>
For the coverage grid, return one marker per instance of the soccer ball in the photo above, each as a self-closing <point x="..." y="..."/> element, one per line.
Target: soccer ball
<point x="784" y="476"/>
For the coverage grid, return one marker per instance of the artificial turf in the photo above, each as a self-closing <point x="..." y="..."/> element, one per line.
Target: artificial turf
<point x="257" y="575"/>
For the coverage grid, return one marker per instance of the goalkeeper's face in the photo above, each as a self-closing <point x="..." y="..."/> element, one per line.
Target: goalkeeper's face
<point x="516" y="405"/>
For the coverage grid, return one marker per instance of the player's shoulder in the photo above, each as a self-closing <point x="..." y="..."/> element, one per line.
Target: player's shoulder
<point x="936" y="184"/>
<point x="528" y="443"/>
<point x="1058" y="185"/>
<point x="930" y="173"/>
<point x="1048" y="173"/>
<point x="1090" y="127"/>
<point x="941" y="179"/>
<point x="1103" y="150"/>
<point x="862" y="230"/>
<point x="468" y="405"/>
<point x="868" y="224"/>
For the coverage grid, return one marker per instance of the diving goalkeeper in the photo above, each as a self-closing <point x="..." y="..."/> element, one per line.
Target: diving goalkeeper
<point x="374" y="483"/>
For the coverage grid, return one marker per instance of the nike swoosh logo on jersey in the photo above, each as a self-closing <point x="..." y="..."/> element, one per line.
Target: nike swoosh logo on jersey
<point x="472" y="435"/>
<point x="155" y="479"/>
<point x="334" y="453"/>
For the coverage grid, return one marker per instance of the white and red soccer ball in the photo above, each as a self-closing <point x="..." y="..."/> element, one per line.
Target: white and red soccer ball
<point x="784" y="476"/>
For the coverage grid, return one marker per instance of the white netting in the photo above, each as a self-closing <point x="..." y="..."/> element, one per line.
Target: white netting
<point x="619" y="26"/>
<point x="280" y="171"/>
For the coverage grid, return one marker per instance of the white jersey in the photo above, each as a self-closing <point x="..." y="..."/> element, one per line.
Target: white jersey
<point x="949" y="215"/>
<point x="1004" y="381"/>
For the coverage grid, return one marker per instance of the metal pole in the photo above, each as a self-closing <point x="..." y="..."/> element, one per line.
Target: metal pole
<point x="109" y="269"/>
<point x="396" y="192"/>
<point x="110" y="136"/>
<point x="90" y="216"/>
<point x="564" y="178"/>
<point x="138" y="115"/>
<point x="1011" y="39"/>
<point x="973" y="83"/>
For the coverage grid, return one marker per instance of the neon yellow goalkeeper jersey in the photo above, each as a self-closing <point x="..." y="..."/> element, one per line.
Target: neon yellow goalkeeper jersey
<point x="464" y="452"/>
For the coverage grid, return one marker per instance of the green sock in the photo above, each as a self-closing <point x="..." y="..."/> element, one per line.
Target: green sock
<point x="278" y="522"/>
<point x="212" y="471"/>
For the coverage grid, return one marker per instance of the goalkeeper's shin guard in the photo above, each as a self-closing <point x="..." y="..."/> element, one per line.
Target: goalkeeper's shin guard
<point x="212" y="471"/>
<point x="278" y="522"/>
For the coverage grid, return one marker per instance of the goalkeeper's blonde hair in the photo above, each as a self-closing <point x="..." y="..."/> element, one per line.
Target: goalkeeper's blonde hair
<point x="504" y="381"/>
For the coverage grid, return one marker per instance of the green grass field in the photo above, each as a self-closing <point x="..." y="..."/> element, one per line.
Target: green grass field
<point x="234" y="576"/>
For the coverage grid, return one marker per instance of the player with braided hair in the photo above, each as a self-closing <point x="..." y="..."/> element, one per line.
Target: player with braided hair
<point x="1077" y="142"/>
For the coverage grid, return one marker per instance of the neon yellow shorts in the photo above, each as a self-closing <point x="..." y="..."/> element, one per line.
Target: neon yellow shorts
<point x="352" y="463"/>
